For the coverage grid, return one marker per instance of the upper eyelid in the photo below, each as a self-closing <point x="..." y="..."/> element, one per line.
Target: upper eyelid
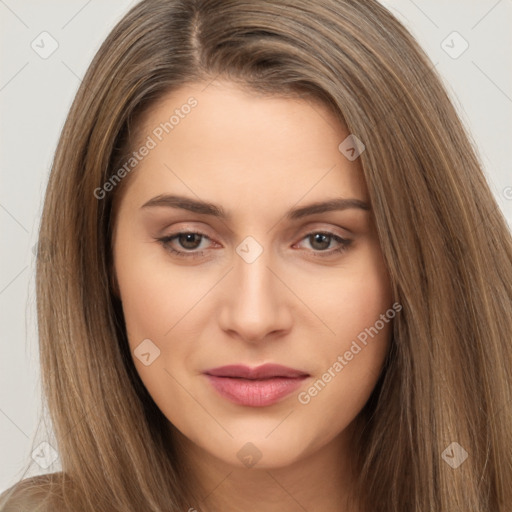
<point x="313" y="227"/>
<point x="309" y="232"/>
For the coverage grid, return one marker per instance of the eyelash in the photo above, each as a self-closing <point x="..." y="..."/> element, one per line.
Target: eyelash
<point x="165" y="241"/>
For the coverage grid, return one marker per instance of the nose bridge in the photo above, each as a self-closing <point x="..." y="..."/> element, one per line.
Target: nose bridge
<point x="255" y="305"/>
<point x="253" y="276"/>
<point x="254" y="279"/>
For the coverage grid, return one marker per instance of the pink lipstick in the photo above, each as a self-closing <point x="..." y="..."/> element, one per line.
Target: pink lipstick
<point x="255" y="387"/>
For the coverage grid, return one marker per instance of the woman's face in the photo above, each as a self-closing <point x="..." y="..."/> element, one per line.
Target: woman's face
<point x="267" y="279"/>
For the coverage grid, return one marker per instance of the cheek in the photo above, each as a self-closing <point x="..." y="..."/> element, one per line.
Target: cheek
<point x="349" y="298"/>
<point x="158" y="299"/>
<point x="349" y="362"/>
<point x="155" y="293"/>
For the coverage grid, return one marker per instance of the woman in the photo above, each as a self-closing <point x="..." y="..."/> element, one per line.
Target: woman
<point x="201" y="348"/>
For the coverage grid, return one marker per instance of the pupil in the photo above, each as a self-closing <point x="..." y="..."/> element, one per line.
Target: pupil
<point x="187" y="240"/>
<point x="320" y="237"/>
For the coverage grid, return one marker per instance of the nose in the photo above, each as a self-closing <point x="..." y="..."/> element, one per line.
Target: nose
<point x="256" y="303"/>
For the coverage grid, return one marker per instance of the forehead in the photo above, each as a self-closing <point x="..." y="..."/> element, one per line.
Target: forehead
<point x="217" y="140"/>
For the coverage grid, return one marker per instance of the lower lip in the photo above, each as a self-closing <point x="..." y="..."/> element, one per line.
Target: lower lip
<point x="255" y="393"/>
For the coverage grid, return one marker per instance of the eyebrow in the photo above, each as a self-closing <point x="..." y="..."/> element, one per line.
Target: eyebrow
<point x="206" y="208"/>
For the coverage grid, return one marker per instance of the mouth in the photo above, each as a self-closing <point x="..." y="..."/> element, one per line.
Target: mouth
<point x="255" y="387"/>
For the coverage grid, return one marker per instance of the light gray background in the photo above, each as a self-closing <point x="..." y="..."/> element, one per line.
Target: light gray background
<point x="36" y="93"/>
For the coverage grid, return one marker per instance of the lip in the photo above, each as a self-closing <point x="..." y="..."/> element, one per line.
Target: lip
<point x="265" y="371"/>
<point x="255" y="387"/>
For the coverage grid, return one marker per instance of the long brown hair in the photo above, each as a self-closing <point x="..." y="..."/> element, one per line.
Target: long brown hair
<point x="444" y="239"/>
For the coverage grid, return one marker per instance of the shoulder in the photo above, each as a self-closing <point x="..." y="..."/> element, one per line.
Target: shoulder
<point x="35" y="494"/>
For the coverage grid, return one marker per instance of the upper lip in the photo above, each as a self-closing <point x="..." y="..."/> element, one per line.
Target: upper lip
<point x="265" y="371"/>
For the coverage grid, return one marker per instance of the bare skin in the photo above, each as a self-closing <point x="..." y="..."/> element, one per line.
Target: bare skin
<point x="299" y="303"/>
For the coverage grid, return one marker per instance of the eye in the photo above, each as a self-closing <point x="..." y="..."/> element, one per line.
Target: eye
<point x="188" y="240"/>
<point x="185" y="244"/>
<point x="320" y="241"/>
